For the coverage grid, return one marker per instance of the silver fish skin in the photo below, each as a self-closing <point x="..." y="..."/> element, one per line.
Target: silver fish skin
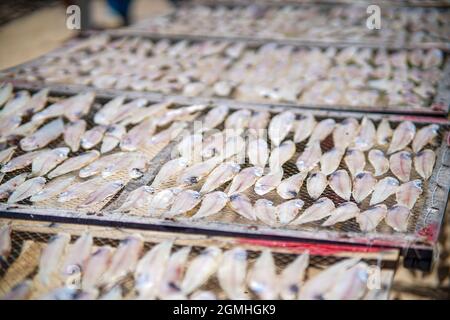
<point x="135" y="163"/>
<point x="343" y="212"/>
<point x="79" y="190"/>
<point x="37" y="102"/>
<point x="344" y="133"/>
<point x="341" y="184"/>
<point x="293" y="276"/>
<point x="363" y="185"/>
<point x="142" y="114"/>
<point x="220" y="175"/>
<point x="355" y="161"/>
<point x="369" y="219"/>
<point x="351" y="285"/>
<point x="232" y="273"/>
<point x="21" y="291"/>
<point x="288" y="210"/>
<point x="397" y="218"/>
<point x="150" y="270"/>
<point x="95" y="267"/>
<point x="185" y="201"/>
<point x="113" y="135"/>
<point x="46" y="134"/>
<point x="193" y="174"/>
<point x="6" y="91"/>
<point x="138" y="199"/>
<point x="424" y="163"/>
<point x="281" y="154"/>
<point x="318" y="210"/>
<point x="316" y="184"/>
<point x="126" y="110"/>
<point x="46" y="161"/>
<point x="190" y="147"/>
<point x="384" y="189"/>
<point x="92" y="137"/>
<point x="211" y="204"/>
<point x="304" y="127"/>
<point x="400" y="164"/>
<point x="102" y="193"/>
<point x="26" y="129"/>
<point x="170" y="170"/>
<point x="53" y="188"/>
<point x="424" y="136"/>
<point x="21" y="161"/>
<point x="16" y="104"/>
<point x="162" y="200"/>
<point x="5" y="241"/>
<point x="79" y="106"/>
<point x="8" y="125"/>
<point x="290" y="187"/>
<point x="384" y="132"/>
<point x="280" y="126"/>
<point x="77" y="255"/>
<point x="330" y="160"/>
<point x="171" y="280"/>
<point x="238" y="120"/>
<point x="176" y="114"/>
<point x="75" y="163"/>
<point x="269" y="182"/>
<point x="7" y="188"/>
<point x="165" y="136"/>
<point x="258" y="152"/>
<point x="107" y="112"/>
<point x="245" y="179"/>
<point x="201" y="269"/>
<point x="51" y="257"/>
<point x="242" y="205"/>
<point x="317" y="287"/>
<point x="73" y="133"/>
<point x="265" y="211"/>
<point x="124" y="260"/>
<point x="27" y="189"/>
<point x="262" y="278"/>
<point x="215" y="117"/>
<point x="402" y="136"/>
<point x="366" y="136"/>
<point x="309" y="158"/>
<point x="258" y="123"/>
<point x="133" y="138"/>
<point x="408" y="193"/>
<point x="6" y="155"/>
<point x="378" y="161"/>
<point x="322" y="130"/>
<point x="100" y="164"/>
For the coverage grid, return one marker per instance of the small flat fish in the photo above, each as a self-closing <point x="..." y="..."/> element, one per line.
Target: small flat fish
<point x="77" y="254"/>
<point x="403" y="135"/>
<point x="351" y="285"/>
<point x="201" y="269"/>
<point x="24" y="130"/>
<point x="234" y="146"/>
<point x="136" y="135"/>
<point x="190" y="147"/>
<point x="408" y="193"/>
<point x="73" y="133"/>
<point x="113" y="135"/>
<point x="309" y="158"/>
<point x="400" y="164"/>
<point x="95" y="267"/>
<point x="265" y="211"/>
<point x="16" y="104"/>
<point x="138" y="199"/>
<point x="8" y="125"/>
<point x="27" y="189"/>
<point x="220" y="175"/>
<point x="75" y="163"/>
<point x="330" y="160"/>
<point x="424" y="163"/>
<point x="293" y="276"/>
<point x="363" y="185"/>
<point x="213" y="145"/>
<point x="195" y="173"/>
<point x="341" y="184"/>
<point x="20" y="291"/>
<point x="281" y="154"/>
<point x="165" y="136"/>
<point x="162" y="200"/>
<point x="21" y="161"/>
<point x="7" y="188"/>
<point x="304" y="127"/>
<point x="37" y="102"/>
<point x="78" y="106"/>
<point x="215" y="117"/>
<point x="366" y="136"/>
<point x="43" y="136"/>
<point x="53" y="188"/>
<point x="384" y="132"/>
<point x="171" y="280"/>
<point x="316" y="184"/>
<point x="79" y="190"/>
<point x="258" y="123"/>
<point x="104" y="192"/>
<point x="280" y="126"/>
<point x="378" y="161"/>
<point x="238" y="120"/>
<point x="245" y="179"/>
<point x="6" y="155"/>
<point x="46" y="161"/>
<point x="262" y="278"/>
<point x="269" y="182"/>
<point x="142" y="114"/>
<point x="125" y="111"/>
<point x="108" y="111"/>
<point x="355" y="161"/>
<point x="242" y="205"/>
<point x="100" y="164"/>
<point x="5" y="242"/>
<point x="169" y="171"/>
<point x="344" y="133"/>
<point x="232" y="273"/>
<point x="176" y="114"/>
<point x="425" y="136"/>
<point x="343" y="212"/>
<point x="92" y="137"/>
<point x="51" y="257"/>
<point x="384" y="189"/>
<point x="6" y="91"/>
<point x="290" y="187"/>
<point x="288" y="210"/>
<point x="322" y="130"/>
<point x="397" y="218"/>
<point x="369" y="219"/>
<point x="317" y="211"/>
<point x="184" y="201"/>
<point x="135" y="163"/>
<point x="258" y="152"/>
<point x="211" y="204"/>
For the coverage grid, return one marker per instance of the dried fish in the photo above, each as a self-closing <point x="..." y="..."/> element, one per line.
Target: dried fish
<point x="266" y="211"/>
<point x="316" y="184"/>
<point x="369" y="219"/>
<point x="220" y="175"/>
<point x="79" y="190"/>
<point x="190" y="148"/>
<point x="170" y="284"/>
<point x="46" y="161"/>
<point x="21" y="161"/>
<point x="193" y="174"/>
<point x="304" y="127"/>
<point x="280" y="126"/>
<point x="77" y="255"/>
<point x="355" y="161"/>
<point x="281" y="154"/>
<point x="170" y="170"/>
<point x="241" y="204"/>
<point x="343" y="212"/>
<point x="363" y="185"/>
<point x="165" y="136"/>
<point x="138" y="199"/>
<point x="51" y="256"/>
<point x="232" y="273"/>
<point x="100" y="164"/>
<point x="53" y="188"/>
<point x="288" y="210"/>
<point x="92" y="137"/>
<point x="7" y="188"/>
<point x="37" y="102"/>
<point x="212" y="203"/>
<point x="293" y="276"/>
<point x="322" y="130"/>
<point x="290" y="187"/>
<point x="309" y="158"/>
<point x="238" y="120"/>
<point x="397" y="217"/>
<point x="366" y="137"/>
<point x="16" y="104"/>
<point x="27" y="189"/>
<point x="6" y="155"/>
<point x="378" y="161"/>
<point x="184" y="201"/>
<point x="5" y="242"/>
<point x="46" y="134"/>
<point x="6" y="91"/>
<point x="268" y="182"/>
<point x="384" y="132"/>
<point x="8" y="125"/>
<point x="113" y="135"/>
<point x="215" y="117"/>
<point x="403" y="135"/>
<point x="262" y="278"/>
<point x="75" y="163"/>
<point x="105" y="115"/>
<point x="341" y="184"/>
<point x="351" y="285"/>
<point x="73" y="133"/>
<point x="408" y="193"/>
<point x="258" y="123"/>
<point x="330" y="160"/>
<point x="424" y="163"/>
<point x="258" y="152"/>
<point x="344" y="133"/>
<point x="400" y="164"/>
<point x="245" y="179"/>
<point x="383" y="189"/>
<point x="102" y="193"/>
<point x="425" y="136"/>
<point x="162" y="200"/>
<point x="95" y="267"/>
<point x="318" y="210"/>
<point x="137" y="135"/>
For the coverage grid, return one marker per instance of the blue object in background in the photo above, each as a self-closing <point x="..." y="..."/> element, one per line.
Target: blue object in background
<point x="122" y="7"/>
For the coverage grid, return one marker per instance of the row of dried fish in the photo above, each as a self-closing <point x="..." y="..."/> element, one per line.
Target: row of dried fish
<point x="348" y="76"/>
<point x="332" y="23"/>
<point x="160" y="273"/>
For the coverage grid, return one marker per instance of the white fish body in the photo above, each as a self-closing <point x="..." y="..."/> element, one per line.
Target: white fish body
<point x="184" y="201"/>
<point x="232" y="273"/>
<point x="402" y="136"/>
<point x="378" y="161"/>
<point x="258" y="152"/>
<point x="27" y="189"/>
<point x="78" y="106"/>
<point x="281" y="154"/>
<point x="343" y="212"/>
<point x="104" y="192"/>
<point x="341" y="184"/>
<point x="241" y="204"/>
<point x="95" y="267"/>
<point x="46" y="161"/>
<point x="425" y="136"/>
<point x="113" y="135"/>
<point x="288" y="210"/>
<point x="137" y="135"/>
<point x="92" y="137"/>
<point x="7" y="188"/>
<point x="170" y="283"/>
<point x="408" y="193"/>
<point x="162" y="200"/>
<point x="73" y="133"/>
<point x="6" y="91"/>
<point x="77" y="255"/>
<point x="369" y="219"/>
<point x="43" y="136"/>
<point x="400" y="164"/>
<point x="138" y="199"/>
<point x="383" y="190"/>
<point x="37" y="102"/>
<point x="367" y="135"/>
<point x="280" y="126"/>
<point x="190" y="147"/>
<point x="5" y="241"/>
<point x="262" y="278"/>
<point x="304" y="127"/>
<point x="51" y="257"/>
<point x="344" y="133"/>
<point x="100" y="164"/>
<point x="193" y="174"/>
<point x="79" y="190"/>
<point x="293" y="276"/>
<point x="245" y="179"/>
<point x="322" y="130"/>
<point x="238" y="120"/>
<point x="316" y="184"/>
<point x="220" y="175"/>
<point x="265" y="211"/>
<point x="258" y="123"/>
<point x="309" y="158"/>
<point x="355" y="161"/>
<point x="105" y="115"/>
<point x="330" y="160"/>
<point x="318" y="210"/>
<point x="170" y="170"/>
<point x="6" y="155"/>
<point x="269" y="182"/>
<point x="21" y="161"/>
<point x="384" y="132"/>
<point x="363" y="185"/>
<point x="424" y="163"/>
<point x="351" y="285"/>
<point x="211" y="204"/>
<point x="75" y="163"/>
<point x="53" y="188"/>
<point x="215" y="117"/>
<point x="290" y="187"/>
<point x="397" y="218"/>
